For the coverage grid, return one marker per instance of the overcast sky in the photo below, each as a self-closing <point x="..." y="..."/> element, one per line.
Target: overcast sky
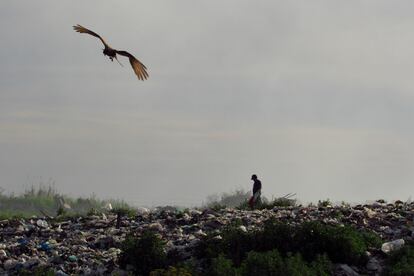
<point x="316" y="97"/>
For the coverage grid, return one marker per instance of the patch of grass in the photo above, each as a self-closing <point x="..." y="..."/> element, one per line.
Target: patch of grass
<point x="217" y="206"/>
<point x="239" y="199"/>
<point x="45" y="200"/>
<point x="13" y="214"/>
<point x="278" y="202"/>
<point x="266" y="204"/>
<point x="232" y="200"/>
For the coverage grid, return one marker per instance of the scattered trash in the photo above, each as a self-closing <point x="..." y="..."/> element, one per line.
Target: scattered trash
<point x="392" y="245"/>
<point x="22" y="241"/>
<point x="45" y="246"/>
<point x="243" y="228"/>
<point x="9" y="264"/>
<point x="91" y="244"/>
<point x="3" y="254"/>
<point x="42" y="223"/>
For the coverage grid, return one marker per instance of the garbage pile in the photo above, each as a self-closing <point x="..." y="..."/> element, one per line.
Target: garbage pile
<point x="91" y="245"/>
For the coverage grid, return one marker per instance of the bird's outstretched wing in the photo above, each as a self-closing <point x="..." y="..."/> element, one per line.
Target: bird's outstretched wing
<point x="83" y="30"/>
<point x="139" y="68"/>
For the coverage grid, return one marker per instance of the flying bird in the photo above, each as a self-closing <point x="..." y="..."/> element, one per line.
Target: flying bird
<point x="139" y="68"/>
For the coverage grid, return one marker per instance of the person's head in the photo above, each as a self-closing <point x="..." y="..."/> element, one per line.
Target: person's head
<point x="254" y="177"/>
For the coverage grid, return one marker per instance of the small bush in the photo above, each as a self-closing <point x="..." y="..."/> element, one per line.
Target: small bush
<point x="228" y="199"/>
<point x="341" y="244"/>
<point x="296" y="266"/>
<point x="234" y="244"/>
<point x="276" y="235"/>
<point x="266" y="204"/>
<point x="310" y="239"/>
<point x="144" y="254"/>
<point x="272" y="263"/>
<point x="266" y="263"/>
<point x="221" y="266"/>
<point x="371" y="239"/>
<point x="322" y="266"/>
<point x="171" y="271"/>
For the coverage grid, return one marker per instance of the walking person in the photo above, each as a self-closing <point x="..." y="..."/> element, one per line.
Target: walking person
<point x="257" y="190"/>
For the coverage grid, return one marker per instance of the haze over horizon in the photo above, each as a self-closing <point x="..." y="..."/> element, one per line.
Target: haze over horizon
<point x="315" y="97"/>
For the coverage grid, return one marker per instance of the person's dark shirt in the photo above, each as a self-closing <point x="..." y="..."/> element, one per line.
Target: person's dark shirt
<point x="257" y="185"/>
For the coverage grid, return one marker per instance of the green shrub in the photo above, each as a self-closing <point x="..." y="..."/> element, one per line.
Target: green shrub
<point x="310" y="239"/>
<point x="221" y="266"/>
<point x="296" y="266"/>
<point x="322" y="265"/>
<point x="171" y="271"/>
<point x="266" y="263"/>
<point x="272" y="263"/>
<point x="341" y="244"/>
<point x="234" y="244"/>
<point x="371" y="239"/>
<point x="144" y="254"/>
<point x="275" y="235"/>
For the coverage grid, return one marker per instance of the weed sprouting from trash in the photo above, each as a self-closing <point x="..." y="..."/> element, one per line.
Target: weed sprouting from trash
<point x="45" y="200"/>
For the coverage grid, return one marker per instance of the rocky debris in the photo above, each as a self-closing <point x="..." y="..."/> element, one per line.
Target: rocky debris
<point x="91" y="245"/>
